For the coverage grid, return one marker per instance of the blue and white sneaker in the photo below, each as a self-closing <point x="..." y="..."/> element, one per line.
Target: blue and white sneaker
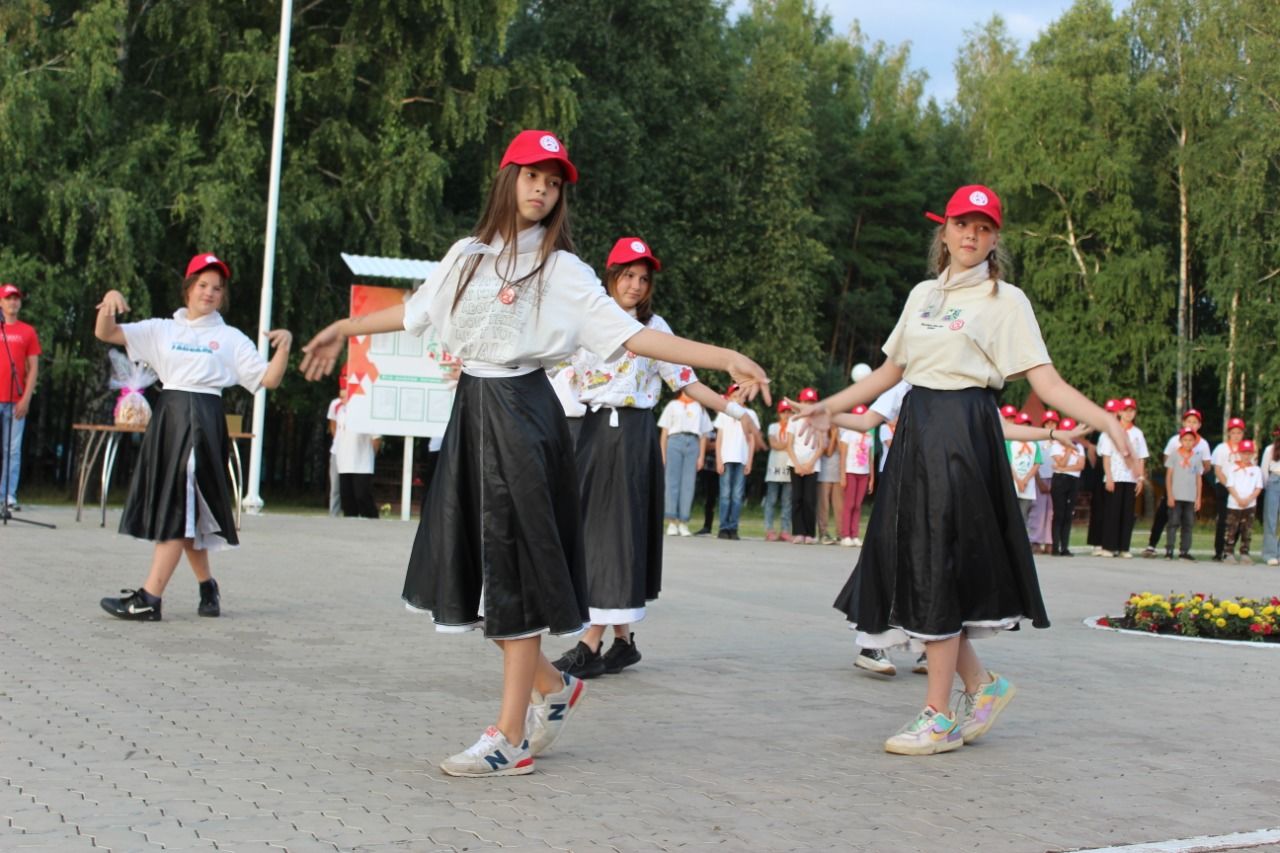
<point x="492" y="755"/>
<point x="548" y="714"/>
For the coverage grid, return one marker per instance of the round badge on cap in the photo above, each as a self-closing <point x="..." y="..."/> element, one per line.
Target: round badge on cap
<point x="637" y="246"/>
<point x="549" y="143"/>
<point x="979" y="198"/>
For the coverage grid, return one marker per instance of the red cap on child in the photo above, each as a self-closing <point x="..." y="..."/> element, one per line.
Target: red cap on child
<point x="1187" y="431"/>
<point x="1246" y="446"/>
<point x="1008" y="411"/>
<point x="203" y="261"/>
<point x="974" y="198"/>
<point x="859" y="409"/>
<point x="731" y="390"/>
<point x="538" y="146"/>
<point x="1068" y="424"/>
<point x="7" y="290"/>
<point x="1049" y="415"/>
<point x="1023" y="418"/>
<point x="1112" y="406"/>
<point x="630" y="249"/>
<point x="1127" y="403"/>
<point x="808" y="395"/>
<point x="783" y="406"/>
<point x="1235" y="423"/>
<point x="1193" y="413"/>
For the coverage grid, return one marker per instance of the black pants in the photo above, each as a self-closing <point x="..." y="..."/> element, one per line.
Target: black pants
<point x="1117" y="524"/>
<point x="708" y="483"/>
<point x="356" y="491"/>
<point x="1181" y="517"/>
<point x="1157" y="526"/>
<point x="1097" y="513"/>
<point x="1063" y="493"/>
<point x="1220" y="532"/>
<point x="804" y="504"/>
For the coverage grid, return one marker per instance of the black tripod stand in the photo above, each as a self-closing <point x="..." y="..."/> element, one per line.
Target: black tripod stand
<point x="6" y="470"/>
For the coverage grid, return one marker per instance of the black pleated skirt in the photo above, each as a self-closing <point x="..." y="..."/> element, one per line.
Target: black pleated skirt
<point x="499" y="546"/>
<point x="622" y="483"/>
<point x="946" y="549"/>
<point x="156" y="509"/>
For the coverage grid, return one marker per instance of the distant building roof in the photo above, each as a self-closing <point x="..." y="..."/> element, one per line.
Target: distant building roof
<point x="370" y="266"/>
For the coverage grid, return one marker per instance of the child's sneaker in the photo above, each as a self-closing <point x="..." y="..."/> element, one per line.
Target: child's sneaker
<point x="1127" y="555"/>
<point x="622" y="654"/>
<point x="210" y="600"/>
<point x="1246" y="559"/>
<point x="1102" y="552"/>
<point x="922" y="665"/>
<point x="1229" y="558"/>
<point x="1148" y="552"/>
<point x="136" y="606"/>
<point x="770" y="536"/>
<point x="847" y="542"/>
<point x="929" y="733"/>
<point x="672" y="530"/>
<point x="979" y="710"/>
<point x="580" y="662"/>
<point x="684" y="529"/>
<point x="857" y="543"/>
<point x="548" y="714"/>
<point x="492" y="755"/>
<point x="875" y="660"/>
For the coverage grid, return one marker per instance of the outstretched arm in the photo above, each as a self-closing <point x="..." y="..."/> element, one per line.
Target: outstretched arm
<point x="1054" y="390"/>
<point x="105" y="328"/>
<point x="321" y="353"/>
<point x="750" y="377"/>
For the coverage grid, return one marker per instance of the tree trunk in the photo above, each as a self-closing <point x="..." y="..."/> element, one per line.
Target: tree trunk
<point x="1182" y="382"/>
<point x="1231" y="357"/>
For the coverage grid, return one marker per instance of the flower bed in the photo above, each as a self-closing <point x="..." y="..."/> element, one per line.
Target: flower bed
<point x="1200" y="615"/>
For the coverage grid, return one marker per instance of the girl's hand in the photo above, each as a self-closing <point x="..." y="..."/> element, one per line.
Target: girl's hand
<point x="698" y="465"/>
<point x="749" y="427"/>
<point x="321" y="352"/>
<point x="1137" y="490"/>
<point x="1111" y="487"/>
<point x="1076" y="434"/>
<point x="1120" y="438"/>
<point x="113" y="303"/>
<point x="280" y="339"/>
<point x="1169" y="502"/>
<point x="749" y="376"/>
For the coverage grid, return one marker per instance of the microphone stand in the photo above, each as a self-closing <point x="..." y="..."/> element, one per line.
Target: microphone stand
<point x="15" y="386"/>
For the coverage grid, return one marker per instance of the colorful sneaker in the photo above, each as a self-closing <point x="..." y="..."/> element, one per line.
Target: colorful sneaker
<point x="210" y="601"/>
<point x="492" y="755"/>
<point x="922" y="665"/>
<point x="548" y="714"/>
<point x="581" y="662"/>
<point x="134" y="606"/>
<point x="978" y="711"/>
<point x="875" y="660"/>
<point x="622" y="654"/>
<point x="929" y="733"/>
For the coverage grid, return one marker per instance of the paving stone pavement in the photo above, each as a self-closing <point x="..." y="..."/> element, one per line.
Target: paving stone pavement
<point x="313" y="714"/>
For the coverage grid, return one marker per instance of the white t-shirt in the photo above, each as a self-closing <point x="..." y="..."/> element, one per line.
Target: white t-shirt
<point x="678" y="417"/>
<point x="1068" y="456"/>
<point x="1022" y="459"/>
<point x="1243" y="481"/>
<point x="334" y="405"/>
<point x="629" y="381"/>
<point x="1222" y="456"/>
<point x="1046" y="459"/>
<point x="886" y="441"/>
<point x="731" y="439"/>
<point x="1120" y="472"/>
<point x="490" y="328"/>
<point x="955" y="333"/>
<point x="889" y="404"/>
<point x="860" y="453"/>
<point x="203" y="355"/>
<point x="353" y="451"/>
<point x="1271" y="468"/>
<point x="778" y="466"/>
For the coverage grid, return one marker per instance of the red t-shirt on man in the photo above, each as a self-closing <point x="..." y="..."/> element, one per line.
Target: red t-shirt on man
<point x="22" y="343"/>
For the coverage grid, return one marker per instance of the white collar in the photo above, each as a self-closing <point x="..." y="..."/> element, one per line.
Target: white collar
<point x="213" y="318"/>
<point x="527" y="241"/>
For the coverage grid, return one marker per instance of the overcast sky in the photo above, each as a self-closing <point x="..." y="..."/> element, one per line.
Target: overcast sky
<point x="935" y="28"/>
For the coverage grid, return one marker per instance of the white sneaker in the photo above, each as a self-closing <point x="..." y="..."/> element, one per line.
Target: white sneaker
<point x="548" y="714"/>
<point x="492" y="755"/>
<point x="684" y="529"/>
<point x="1126" y="555"/>
<point x="875" y="660"/>
<point x="847" y="541"/>
<point x="1096" y="552"/>
<point x="1103" y="552"/>
<point x="672" y="530"/>
<point x="929" y="733"/>
<point x="1246" y="559"/>
<point x="857" y="543"/>
<point x="1228" y="558"/>
<point x="1273" y="562"/>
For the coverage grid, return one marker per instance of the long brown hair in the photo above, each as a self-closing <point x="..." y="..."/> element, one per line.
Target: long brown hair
<point x="644" y="308"/>
<point x="501" y="219"/>
<point x="998" y="262"/>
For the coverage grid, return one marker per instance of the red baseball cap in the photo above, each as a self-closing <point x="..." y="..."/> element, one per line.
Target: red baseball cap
<point x="1112" y="406"/>
<point x="1008" y="411"/>
<point x="974" y="198"/>
<point x="808" y="395"/>
<point x="1235" y="423"/>
<point x="538" y="146"/>
<point x="859" y="409"/>
<point x="1187" y="431"/>
<point x="203" y="261"/>
<point x="1023" y="418"/>
<point x="1050" y="415"/>
<point x="1246" y="446"/>
<point x="1193" y="413"/>
<point x="1068" y="424"/>
<point x="7" y="290"/>
<point x="630" y="249"/>
<point x="783" y="406"/>
<point x="1127" y="403"/>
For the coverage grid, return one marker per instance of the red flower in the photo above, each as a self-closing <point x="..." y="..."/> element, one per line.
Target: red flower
<point x="1104" y="622"/>
<point x="1258" y="628"/>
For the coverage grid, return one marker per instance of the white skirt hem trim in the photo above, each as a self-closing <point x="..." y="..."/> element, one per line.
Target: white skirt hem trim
<point x="897" y="637"/>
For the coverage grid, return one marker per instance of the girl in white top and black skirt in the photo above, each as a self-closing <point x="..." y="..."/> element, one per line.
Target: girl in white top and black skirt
<point x="620" y="472"/>
<point x="947" y="557"/>
<point x="500" y="547"/>
<point x="180" y="496"/>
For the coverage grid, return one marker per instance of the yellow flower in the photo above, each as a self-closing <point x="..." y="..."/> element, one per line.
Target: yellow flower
<point x="1195" y="613"/>
<point x="1268" y="610"/>
<point x="1217" y="611"/>
<point x="1232" y="608"/>
<point x="1245" y="612"/>
<point x="1221" y="623"/>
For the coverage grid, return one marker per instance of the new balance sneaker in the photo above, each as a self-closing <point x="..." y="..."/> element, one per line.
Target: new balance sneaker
<point x="978" y="711"/>
<point x="875" y="660"/>
<point x="922" y="665"/>
<point x="492" y="755"/>
<point x="581" y="662"/>
<point x="929" y="733"/>
<point x="672" y="530"/>
<point x="684" y="529"/>
<point x="136" y="605"/>
<point x="548" y="714"/>
<point x="622" y="654"/>
<point x="210" y="601"/>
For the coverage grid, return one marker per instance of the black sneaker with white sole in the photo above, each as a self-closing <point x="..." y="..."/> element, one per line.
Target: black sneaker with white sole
<point x="136" y="605"/>
<point x="875" y="660"/>
<point x="210" y="601"/>
<point x="581" y="662"/>
<point x="622" y="654"/>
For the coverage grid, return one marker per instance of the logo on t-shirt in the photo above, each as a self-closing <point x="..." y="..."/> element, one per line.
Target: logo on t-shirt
<point x="213" y="345"/>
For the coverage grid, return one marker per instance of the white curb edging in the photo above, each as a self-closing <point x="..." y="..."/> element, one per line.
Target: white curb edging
<point x="1092" y="622"/>
<point x="1202" y="843"/>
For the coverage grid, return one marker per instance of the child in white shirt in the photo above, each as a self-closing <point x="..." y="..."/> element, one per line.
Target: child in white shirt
<point x="1123" y="483"/>
<point x="1244" y="484"/>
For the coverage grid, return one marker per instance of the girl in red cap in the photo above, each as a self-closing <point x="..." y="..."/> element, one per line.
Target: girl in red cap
<point x="500" y="547"/>
<point x="620" y="470"/>
<point x="180" y="497"/>
<point x="1244" y="484"/>
<point x="1067" y="456"/>
<point x="858" y="467"/>
<point x="804" y="455"/>
<point x="1125" y="476"/>
<point x="777" y="477"/>
<point x="1222" y="466"/>
<point x="947" y="557"/>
